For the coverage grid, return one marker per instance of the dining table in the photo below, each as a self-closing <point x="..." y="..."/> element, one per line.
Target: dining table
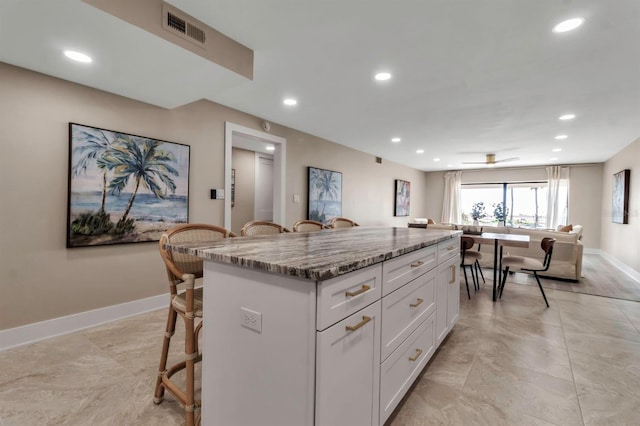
<point x="500" y="240"/>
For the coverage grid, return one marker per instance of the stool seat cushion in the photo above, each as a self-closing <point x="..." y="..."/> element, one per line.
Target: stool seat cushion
<point x="179" y="302"/>
<point x="471" y="256"/>
<point x="522" y="263"/>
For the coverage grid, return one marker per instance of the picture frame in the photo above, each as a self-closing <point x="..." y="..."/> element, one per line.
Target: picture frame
<point x="123" y="188"/>
<point x="402" y="198"/>
<point x="324" y="194"/>
<point x="620" y="197"/>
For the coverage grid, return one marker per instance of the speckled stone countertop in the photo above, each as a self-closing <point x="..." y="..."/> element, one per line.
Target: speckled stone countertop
<point x="316" y="255"/>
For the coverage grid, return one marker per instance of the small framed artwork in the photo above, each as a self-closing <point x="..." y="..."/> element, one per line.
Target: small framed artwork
<point x="324" y="194"/>
<point x="403" y="197"/>
<point x="621" y="196"/>
<point x="124" y="188"/>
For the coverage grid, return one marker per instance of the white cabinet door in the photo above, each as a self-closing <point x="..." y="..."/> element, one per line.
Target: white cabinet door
<point x="447" y="297"/>
<point x="453" y="299"/>
<point x="348" y="370"/>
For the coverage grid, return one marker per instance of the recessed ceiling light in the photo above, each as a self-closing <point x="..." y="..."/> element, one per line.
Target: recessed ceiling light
<point x="395" y="140"/>
<point x="556" y="150"/>
<point x="567" y="117"/>
<point x="77" y="56"/>
<point x="290" y="102"/>
<point x="560" y="137"/>
<point x="420" y="151"/>
<point x="449" y="165"/>
<point x="568" y="25"/>
<point x="436" y="159"/>
<point x="382" y="76"/>
<point x="553" y="159"/>
<point x="271" y="148"/>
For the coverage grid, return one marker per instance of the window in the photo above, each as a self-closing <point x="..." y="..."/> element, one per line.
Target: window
<point x="526" y="203"/>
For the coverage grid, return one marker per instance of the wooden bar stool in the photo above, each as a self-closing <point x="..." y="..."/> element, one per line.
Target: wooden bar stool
<point x="184" y="269"/>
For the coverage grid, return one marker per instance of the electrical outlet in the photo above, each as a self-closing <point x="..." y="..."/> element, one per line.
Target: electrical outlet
<point x="296" y="198"/>
<point x="251" y="319"/>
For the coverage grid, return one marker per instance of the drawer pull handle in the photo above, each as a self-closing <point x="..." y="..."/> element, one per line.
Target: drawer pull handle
<point x="416" y="264"/>
<point x="451" y="248"/>
<point x="355" y="293"/>
<point x="415" y="305"/>
<point x="453" y="274"/>
<point x="416" y="356"/>
<point x="365" y="320"/>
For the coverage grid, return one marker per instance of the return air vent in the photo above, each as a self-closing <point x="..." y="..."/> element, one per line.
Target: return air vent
<point x="181" y="24"/>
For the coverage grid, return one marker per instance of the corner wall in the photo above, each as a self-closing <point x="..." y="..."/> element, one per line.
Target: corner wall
<point x="619" y="240"/>
<point x="41" y="279"/>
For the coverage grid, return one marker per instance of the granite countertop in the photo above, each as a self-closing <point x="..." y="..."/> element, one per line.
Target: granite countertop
<point x="316" y="255"/>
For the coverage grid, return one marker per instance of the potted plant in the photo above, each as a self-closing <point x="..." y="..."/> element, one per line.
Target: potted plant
<point x="478" y="212"/>
<point x="500" y="213"/>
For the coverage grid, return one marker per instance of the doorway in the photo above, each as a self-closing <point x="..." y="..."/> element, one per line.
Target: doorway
<point x="237" y="136"/>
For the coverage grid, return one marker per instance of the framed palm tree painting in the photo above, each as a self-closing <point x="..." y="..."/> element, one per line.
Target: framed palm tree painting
<point x="324" y="195"/>
<point x="124" y="188"/>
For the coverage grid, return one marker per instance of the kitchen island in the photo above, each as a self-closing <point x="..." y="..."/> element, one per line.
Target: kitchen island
<point x="324" y="328"/>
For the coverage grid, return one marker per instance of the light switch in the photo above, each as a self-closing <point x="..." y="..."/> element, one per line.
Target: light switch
<point x="296" y="198"/>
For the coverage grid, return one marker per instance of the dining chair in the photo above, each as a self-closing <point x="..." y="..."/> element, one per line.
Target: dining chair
<point x="261" y="227"/>
<point x="528" y="264"/>
<point x="469" y="259"/>
<point x="182" y="271"/>
<point x="308" y="226"/>
<point x="342" y="222"/>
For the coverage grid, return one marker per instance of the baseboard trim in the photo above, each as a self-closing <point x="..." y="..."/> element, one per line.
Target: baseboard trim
<point x="635" y="275"/>
<point x="35" y="332"/>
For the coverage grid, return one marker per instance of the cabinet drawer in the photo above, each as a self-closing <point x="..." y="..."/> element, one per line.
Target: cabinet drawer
<point x="348" y="370"/>
<point x="399" y="271"/>
<point x="447" y="249"/>
<point x="342" y="296"/>
<point x="400" y="370"/>
<point x="405" y="309"/>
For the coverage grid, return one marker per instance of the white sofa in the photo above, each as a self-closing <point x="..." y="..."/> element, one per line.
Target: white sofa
<point x="566" y="261"/>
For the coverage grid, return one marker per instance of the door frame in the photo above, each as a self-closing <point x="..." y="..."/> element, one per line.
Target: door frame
<point x="279" y="168"/>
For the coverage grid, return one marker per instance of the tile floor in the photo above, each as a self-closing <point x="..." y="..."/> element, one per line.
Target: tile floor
<point x="509" y="363"/>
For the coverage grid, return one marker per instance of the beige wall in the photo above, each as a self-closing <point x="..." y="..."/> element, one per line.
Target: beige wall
<point x="619" y="240"/>
<point x="244" y="162"/>
<point x="41" y="279"/>
<point x="584" y="199"/>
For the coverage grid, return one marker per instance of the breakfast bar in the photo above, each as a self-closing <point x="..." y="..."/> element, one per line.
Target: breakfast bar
<point x="322" y="328"/>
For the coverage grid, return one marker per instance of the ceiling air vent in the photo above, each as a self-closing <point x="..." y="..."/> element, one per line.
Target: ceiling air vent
<point x="183" y="25"/>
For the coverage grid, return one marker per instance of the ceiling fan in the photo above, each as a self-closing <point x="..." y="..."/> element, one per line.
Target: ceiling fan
<point x="491" y="160"/>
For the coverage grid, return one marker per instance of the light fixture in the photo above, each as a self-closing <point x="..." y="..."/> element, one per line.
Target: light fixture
<point x="553" y="159"/>
<point x="77" y="56"/>
<point x="419" y="151"/>
<point x="395" y="140"/>
<point x="449" y="165"/>
<point x="382" y="76"/>
<point x="566" y="117"/>
<point x="568" y="25"/>
<point x="270" y="148"/>
<point x="290" y="102"/>
<point x="556" y="150"/>
<point x="560" y="137"/>
<point x="436" y="159"/>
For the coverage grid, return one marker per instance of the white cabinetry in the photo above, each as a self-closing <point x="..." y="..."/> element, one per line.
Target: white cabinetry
<point x="338" y="352"/>
<point x="348" y="370"/>
<point x="447" y="288"/>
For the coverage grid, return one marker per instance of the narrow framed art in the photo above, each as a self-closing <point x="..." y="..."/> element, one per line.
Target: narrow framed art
<point x="124" y="188"/>
<point x="324" y="194"/>
<point x="403" y="198"/>
<point x="620" y="197"/>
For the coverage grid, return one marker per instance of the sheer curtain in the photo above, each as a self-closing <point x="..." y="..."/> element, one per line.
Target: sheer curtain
<point x="451" y="205"/>
<point x="558" y="196"/>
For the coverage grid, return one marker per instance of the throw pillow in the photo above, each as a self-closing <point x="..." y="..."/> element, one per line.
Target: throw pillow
<point x="567" y="228"/>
